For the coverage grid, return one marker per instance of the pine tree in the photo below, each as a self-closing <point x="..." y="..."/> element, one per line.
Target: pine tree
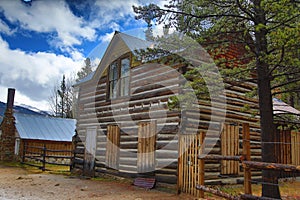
<point x="270" y="30"/>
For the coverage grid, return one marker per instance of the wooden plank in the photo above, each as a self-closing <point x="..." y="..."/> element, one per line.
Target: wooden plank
<point x="180" y="164"/>
<point x="229" y="148"/>
<point x="272" y="166"/>
<point x="247" y="156"/>
<point x="295" y="148"/>
<point x="146" y="146"/>
<point x="201" y="164"/>
<point x="217" y="192"/>
<point x="113" y="146"/>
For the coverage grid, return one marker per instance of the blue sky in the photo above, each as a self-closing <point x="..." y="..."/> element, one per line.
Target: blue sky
<point x="42" y="40"/>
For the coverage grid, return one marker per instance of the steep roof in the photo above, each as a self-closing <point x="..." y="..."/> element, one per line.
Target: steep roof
<point x="134" y="43"/>
<point x="44" y="128"/>
<point x="120" y="44"/>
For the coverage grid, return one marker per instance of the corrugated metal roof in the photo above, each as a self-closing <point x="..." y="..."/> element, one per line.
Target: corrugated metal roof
<point x="44" y="128"/>
<point x="279" y="107"/>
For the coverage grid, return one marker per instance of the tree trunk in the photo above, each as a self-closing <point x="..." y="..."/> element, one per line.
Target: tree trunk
<point x="270" y="186"/>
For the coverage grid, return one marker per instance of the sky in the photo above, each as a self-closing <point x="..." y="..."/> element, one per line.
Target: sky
<point x="42" y="40"/>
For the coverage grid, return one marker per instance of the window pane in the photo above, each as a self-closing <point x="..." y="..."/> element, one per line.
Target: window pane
<point x="113" y="73"/>
<point x="113" y="89"/>
<point x="124" y="86"/>
<point x="125" y="67"/>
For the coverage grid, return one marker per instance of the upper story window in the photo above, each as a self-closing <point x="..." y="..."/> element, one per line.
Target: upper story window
<point x="118" y="78"/>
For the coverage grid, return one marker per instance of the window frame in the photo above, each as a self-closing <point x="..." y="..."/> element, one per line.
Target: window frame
<point x="118" y="80"/>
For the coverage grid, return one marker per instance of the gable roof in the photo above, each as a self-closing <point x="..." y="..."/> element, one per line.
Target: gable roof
<point x="119" y="45"/>
<point x="44" y="128"/>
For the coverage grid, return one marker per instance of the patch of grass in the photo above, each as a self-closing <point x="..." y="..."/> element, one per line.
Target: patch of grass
<point x="11" y="163"/>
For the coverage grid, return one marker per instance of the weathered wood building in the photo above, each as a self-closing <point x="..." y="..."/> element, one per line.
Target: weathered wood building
<point x="126" y="128"/>
<point x="34" y="132"/>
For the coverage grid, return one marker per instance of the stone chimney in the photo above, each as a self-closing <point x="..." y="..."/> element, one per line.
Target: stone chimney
<point x="8" y="130"/>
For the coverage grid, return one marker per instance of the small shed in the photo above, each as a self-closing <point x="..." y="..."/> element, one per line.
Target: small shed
<point x="19" y="129"/>
<point x="40" y="131"/>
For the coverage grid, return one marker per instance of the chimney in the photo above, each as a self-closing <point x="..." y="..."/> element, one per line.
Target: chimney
<point x="8" y="130"/>
<point x="10" y="98"/>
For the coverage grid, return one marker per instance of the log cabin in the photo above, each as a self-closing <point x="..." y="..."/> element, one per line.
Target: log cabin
<point x="126" y="127"/>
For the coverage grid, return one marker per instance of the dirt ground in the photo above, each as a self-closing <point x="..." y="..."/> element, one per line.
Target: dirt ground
<point x="19" y="183"/>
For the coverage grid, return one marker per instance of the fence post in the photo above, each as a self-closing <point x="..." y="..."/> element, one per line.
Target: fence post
<point x="201" y="164"/>
<point x="247" y="157"/>
<point x="24" y="151"/>
<point x="44" y="158"/>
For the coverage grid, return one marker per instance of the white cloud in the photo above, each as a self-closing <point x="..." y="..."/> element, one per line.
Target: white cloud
<point x="107" y="37"/>
<point x="47" y="17"/>
<point x="5" y="28"/>
<point x="35" y="74"/>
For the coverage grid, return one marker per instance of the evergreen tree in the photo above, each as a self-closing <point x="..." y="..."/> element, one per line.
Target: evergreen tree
<point x="269" y="30"/>
<point x="85" y="70"/>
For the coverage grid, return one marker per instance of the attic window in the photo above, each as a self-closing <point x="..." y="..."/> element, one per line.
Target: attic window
<point x="118" y="78"/>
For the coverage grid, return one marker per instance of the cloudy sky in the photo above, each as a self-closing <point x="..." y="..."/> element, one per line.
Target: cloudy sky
<point x="42" y="40"/>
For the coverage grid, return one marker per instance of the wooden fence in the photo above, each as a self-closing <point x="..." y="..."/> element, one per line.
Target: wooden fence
<point x="39" y="156"/>
<point x="191" y="170"/>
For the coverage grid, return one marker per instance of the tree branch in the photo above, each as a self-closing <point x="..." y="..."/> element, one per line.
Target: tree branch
<point x="286" y="83"/>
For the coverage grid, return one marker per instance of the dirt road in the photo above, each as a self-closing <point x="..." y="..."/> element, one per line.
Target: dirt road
<point x="18" y="183"/>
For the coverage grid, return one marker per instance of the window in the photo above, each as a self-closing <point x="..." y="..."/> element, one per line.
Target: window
<point x="119" y="74"/>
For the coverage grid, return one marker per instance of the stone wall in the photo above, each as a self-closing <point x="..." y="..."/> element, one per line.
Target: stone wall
<point x="7" y="138"/>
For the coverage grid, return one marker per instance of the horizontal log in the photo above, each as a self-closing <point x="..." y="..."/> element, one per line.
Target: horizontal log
<point x="78" y="161"/>
<point x="219" y="157"/>
<point x="272" y="166"/>
<point x="171" y="179"/>
<point x="216" y="192"/>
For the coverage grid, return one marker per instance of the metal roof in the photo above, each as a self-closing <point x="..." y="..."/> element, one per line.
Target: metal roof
<point x="44" y="128"/>
<point x="279" y="107"/>
<point x="134" y="43"/>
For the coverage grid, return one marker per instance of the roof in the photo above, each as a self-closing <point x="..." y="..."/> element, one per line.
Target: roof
<point x="279" y="107"/>
<point x="44" y="128"/>
<point x="132" y="43"/>
<point x="19" y="109"/>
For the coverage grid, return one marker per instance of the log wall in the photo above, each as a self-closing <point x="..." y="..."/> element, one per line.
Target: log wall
<point x="151" y="87"/>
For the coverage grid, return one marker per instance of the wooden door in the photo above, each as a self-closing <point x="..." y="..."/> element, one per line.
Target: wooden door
<point x="90" y="152"/>
<point x="112" y="146"/>
<point x="146" y="146"/>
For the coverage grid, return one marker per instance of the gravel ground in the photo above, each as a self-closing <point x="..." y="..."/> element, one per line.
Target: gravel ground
<point x="19" y="183"/>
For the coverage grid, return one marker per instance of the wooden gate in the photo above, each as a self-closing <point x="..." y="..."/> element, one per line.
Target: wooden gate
<point x="230" y="147"/>
<point x="146" y="146"/>
<point x="191" y="169"/>
<point x="189" y="166"/>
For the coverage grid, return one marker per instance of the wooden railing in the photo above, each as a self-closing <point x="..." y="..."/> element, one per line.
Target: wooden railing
<point x="247" y="164"/>
<point x="39" y="156"/>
